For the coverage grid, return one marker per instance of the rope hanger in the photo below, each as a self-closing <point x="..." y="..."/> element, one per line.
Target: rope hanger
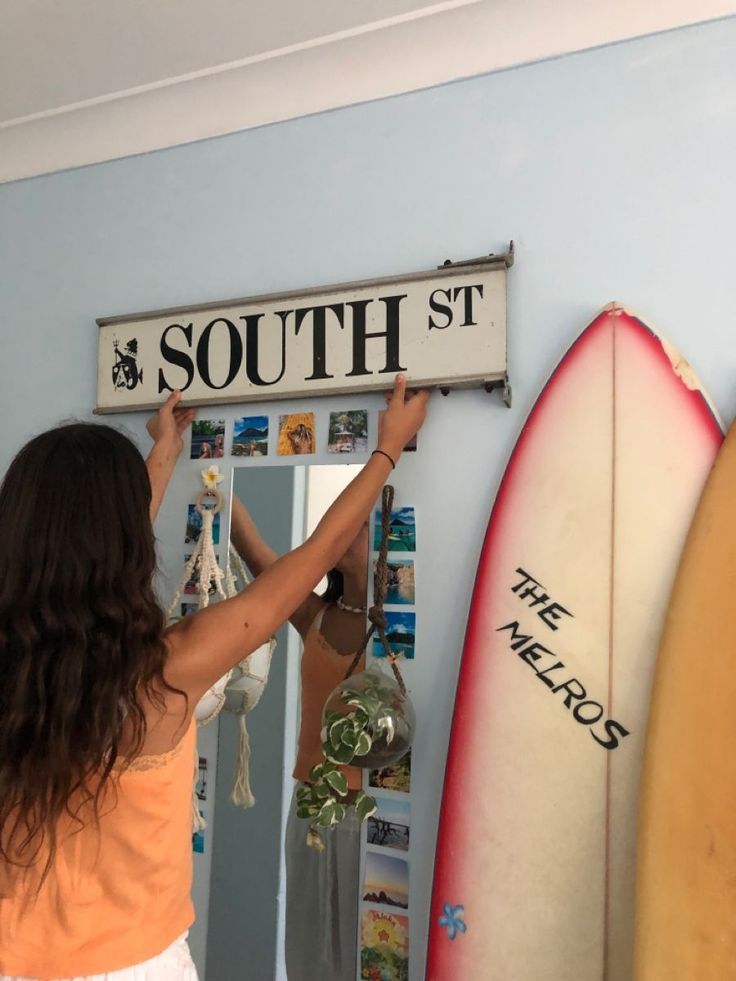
<point x="376" y="615"/>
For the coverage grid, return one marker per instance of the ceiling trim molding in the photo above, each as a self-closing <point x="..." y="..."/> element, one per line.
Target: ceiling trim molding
<point x="434" y="45"/>
<point x="291" y="49"/>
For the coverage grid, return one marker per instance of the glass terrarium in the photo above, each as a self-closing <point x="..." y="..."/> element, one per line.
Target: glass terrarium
<point x="367" y="721"/>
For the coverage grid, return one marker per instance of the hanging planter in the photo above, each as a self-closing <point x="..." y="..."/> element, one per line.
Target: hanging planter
<point x="368" y="714"/>
<point x="368" y="721"/>
<point x="239" y="690"/>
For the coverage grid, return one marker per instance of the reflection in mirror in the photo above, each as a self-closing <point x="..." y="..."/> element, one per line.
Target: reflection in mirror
<point x="278" y="908"/>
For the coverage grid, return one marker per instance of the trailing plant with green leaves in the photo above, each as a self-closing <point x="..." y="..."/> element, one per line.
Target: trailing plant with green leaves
<point x="320" y="800"/>
<point x="348" y="736"/>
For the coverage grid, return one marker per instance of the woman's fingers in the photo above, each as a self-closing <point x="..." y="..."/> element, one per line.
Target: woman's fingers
<point x="423" y="394"/>
<point x="403" y="394"/>
<point x="171" y="402"/>
<point x="399" y="392"/>
<point x="184" y="418"/>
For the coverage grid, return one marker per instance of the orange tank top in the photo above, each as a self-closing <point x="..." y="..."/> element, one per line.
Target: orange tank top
<point x="322" y="671"/>
<point x="119" y="891"/>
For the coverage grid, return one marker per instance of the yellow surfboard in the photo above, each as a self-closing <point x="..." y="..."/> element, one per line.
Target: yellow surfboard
<point x="686" y="884"/>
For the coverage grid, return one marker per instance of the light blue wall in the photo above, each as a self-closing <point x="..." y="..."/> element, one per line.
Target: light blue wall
<point x="612" y="170"/>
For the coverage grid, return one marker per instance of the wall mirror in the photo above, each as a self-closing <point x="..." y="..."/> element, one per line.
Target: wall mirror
<point x="275" y="508"/>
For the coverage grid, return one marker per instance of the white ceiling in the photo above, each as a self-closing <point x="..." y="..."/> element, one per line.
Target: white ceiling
<point x="88" y="80"/>
<point x="60" y="52"/>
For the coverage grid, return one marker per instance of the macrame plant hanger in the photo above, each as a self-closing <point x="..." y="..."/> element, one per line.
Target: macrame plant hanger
<point x="243" y="685"/>
<point x="376" y="616"/>
<point x="244" y="689"/>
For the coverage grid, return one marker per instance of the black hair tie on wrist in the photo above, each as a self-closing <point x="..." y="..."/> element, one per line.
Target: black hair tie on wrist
<point x="384" y="453"/>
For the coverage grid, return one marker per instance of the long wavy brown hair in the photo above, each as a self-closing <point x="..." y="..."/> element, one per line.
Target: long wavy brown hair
<point x="81" y="632"/>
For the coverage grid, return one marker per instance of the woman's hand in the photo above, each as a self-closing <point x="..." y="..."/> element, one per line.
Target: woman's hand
<point x="402" y="419"/>
<point x="169" y="423"/>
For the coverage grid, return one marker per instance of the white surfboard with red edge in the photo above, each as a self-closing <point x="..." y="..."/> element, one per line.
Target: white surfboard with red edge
<point x="535" y="866"/>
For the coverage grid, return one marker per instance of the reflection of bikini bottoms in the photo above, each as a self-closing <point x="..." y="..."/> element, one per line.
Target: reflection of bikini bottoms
<point x="174" y="963"/>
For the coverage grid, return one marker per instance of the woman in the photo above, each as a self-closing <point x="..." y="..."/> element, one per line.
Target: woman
<point x="321" y="887"/>
<point x="97" y="695"/>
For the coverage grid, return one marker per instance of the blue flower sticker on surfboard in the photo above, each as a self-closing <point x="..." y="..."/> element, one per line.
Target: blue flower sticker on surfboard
<point x="452" y="920"/>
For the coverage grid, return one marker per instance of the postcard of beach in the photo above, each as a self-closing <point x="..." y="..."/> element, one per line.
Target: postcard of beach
<point x="400" y="587"/>
<point x="390" y="825"/>
<point x="384" y="946"/>
<point x="402" y="535"/>
<point x="250" y="436"/>
<point x="401" y="629"/>
<point x="386" y="880"/>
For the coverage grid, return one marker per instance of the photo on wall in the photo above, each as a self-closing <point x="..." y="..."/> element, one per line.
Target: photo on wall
<point x="200" y="787"/>
<point x="402" y="536"/>
<point x="194" y="527"/>
<point x="396" y="777"/>
<point x="386" y="880"/>
<point x="401" y="629"/>
<point x="296" y="434"/>
<point x="348" y="431"/>
<point x="208" y="439"/>
<point x="390" y="825"/>
<point x="400" y="586"/>
<point x="250" y="436"/>
<point x="384" y="946"/>
<point x="198" y="839"/>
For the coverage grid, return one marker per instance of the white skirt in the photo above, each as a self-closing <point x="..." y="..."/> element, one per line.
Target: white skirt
<point x="174" y="964"/>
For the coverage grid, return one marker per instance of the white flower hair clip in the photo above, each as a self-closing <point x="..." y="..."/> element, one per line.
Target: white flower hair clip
<point x="211" y="477"/>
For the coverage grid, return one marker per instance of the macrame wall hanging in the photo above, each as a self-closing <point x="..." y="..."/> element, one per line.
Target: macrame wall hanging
<point x="240" y="690"/>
